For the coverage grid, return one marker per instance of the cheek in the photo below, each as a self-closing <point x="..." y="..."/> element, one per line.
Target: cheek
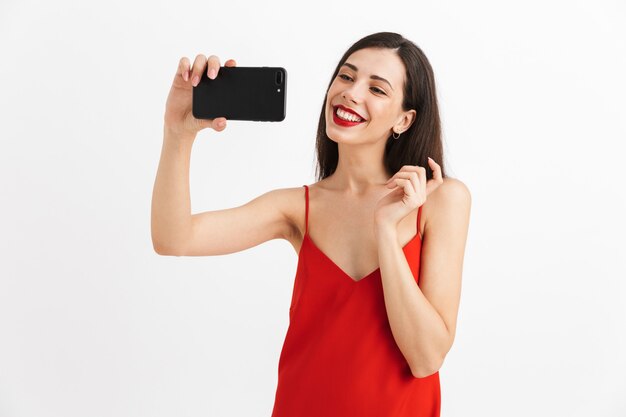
<point x="331" y="91"/>
<point x="380" y="114"/>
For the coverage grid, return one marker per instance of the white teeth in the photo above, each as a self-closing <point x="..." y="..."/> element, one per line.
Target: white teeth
<point x="347" y="116"/>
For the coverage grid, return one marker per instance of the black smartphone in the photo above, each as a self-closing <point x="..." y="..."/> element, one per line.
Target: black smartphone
<point x="242" y="93"/>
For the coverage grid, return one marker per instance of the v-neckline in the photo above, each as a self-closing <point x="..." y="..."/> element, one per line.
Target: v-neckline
<point x="338" y="268"/>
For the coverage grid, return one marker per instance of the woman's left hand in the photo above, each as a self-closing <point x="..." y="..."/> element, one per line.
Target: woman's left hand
<point x="410" y="191"/>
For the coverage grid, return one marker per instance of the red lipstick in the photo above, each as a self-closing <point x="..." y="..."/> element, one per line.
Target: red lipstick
<point x="341" y="122"/>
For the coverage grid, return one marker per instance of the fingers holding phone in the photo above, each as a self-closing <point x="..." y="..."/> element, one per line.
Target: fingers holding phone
<point x="178" y="115"/>
<point x="212" y="65"/>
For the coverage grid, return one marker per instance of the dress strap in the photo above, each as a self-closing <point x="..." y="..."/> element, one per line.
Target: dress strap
<point x="306" y="210"/>
<point x="419" y="212"/>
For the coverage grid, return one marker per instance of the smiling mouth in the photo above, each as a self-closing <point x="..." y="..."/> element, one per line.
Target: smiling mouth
<point x="341" y="118"/>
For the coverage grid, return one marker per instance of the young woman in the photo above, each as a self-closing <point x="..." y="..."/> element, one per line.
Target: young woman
<point x="380" y="236"/>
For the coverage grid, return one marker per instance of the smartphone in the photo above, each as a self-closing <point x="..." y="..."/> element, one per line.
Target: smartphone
<point x="242" y="93"/>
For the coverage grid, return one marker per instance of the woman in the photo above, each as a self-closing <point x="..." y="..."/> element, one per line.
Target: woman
<point x="364" y="338"/>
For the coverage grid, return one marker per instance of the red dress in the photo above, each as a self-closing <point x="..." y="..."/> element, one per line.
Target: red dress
<point x="339" y="357"/>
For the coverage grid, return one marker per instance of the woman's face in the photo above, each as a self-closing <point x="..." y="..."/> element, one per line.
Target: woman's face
<point x="369" y="83"/>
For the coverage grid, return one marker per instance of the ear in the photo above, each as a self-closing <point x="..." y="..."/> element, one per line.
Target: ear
<point x="405" y="121"/>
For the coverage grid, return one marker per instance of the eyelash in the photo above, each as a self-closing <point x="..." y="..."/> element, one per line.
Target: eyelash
<point x="379" y="90"/>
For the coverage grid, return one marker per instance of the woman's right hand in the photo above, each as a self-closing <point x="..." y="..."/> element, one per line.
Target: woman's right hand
<point x="178" y="117"/>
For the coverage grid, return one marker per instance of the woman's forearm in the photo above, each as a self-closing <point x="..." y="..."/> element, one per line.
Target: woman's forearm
<point x="171" y="202"/>
<point x="419" y="331"/>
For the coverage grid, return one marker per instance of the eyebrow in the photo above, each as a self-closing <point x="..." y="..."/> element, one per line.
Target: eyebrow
<point x="373" y="77"/>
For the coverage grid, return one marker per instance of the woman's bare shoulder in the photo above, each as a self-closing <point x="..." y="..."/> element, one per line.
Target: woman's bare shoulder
<point x="451" y="188"/>
<point x="291" y="201"/>
<point x="452" y="192"/>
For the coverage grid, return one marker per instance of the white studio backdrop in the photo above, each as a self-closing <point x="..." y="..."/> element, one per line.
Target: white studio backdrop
<point x="94" y="323"/>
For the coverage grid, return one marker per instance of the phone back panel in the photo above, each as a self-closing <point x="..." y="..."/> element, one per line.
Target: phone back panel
<point x="242" y="93"/>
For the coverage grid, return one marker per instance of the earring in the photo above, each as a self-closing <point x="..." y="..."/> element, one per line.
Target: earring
<point x="394" y="135"/>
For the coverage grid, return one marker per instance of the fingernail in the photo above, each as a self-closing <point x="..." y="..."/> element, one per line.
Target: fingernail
<point x="212" y="73"/>
<point x="221" y="123"/>
<point x="186" y="75"/>
<point x="195" y="81"/>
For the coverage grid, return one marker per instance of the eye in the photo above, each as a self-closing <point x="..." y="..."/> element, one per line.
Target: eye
<point x="347" y="77"/>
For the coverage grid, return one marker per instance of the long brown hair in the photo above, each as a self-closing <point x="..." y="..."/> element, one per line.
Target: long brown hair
<point x="422" y="139"/>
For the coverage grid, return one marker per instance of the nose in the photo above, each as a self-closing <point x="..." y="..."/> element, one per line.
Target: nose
<point x="348" y="94"/>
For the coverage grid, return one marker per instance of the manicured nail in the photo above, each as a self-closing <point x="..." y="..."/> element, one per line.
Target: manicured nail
<point x="196" y="80"/>
<point x="212" y="73"/>
<point x="186" y="75"/>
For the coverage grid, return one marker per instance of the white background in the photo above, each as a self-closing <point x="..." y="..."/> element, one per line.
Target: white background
<point x="94" y="323"/>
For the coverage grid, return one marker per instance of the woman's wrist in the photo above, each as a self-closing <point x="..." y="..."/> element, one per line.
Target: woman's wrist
<point x="386" y="232"/>
<point x="174" y="135"/>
